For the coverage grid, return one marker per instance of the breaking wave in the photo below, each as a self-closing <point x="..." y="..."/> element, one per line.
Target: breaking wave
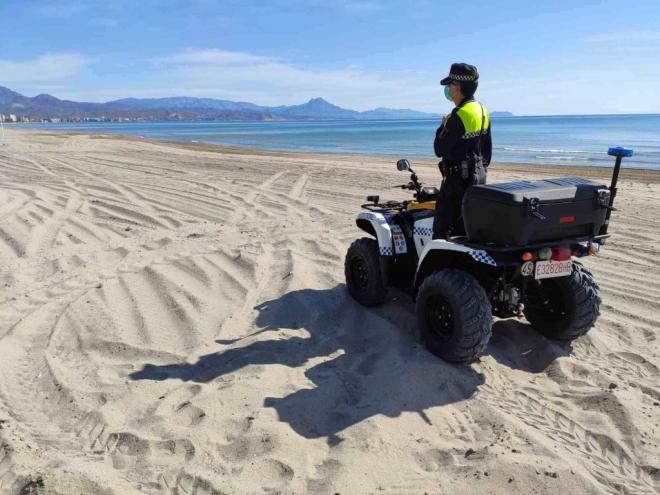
<point x="539" y="150"/>
<point x="568" y="158"/>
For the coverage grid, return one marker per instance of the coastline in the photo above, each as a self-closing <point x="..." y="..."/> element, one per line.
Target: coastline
<point x="173" y="318"/>
<point x="629" y="173"/>
<point x="535" y="140"/>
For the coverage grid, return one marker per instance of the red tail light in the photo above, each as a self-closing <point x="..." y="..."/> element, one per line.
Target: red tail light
<point x="561" y="254"/>
<point x="567" y="219"/>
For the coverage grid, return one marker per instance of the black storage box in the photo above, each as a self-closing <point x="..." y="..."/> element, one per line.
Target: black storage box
<point x="525" y="212"/>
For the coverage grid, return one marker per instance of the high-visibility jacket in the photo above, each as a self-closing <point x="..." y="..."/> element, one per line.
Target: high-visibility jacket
<point x="465" y="135"/>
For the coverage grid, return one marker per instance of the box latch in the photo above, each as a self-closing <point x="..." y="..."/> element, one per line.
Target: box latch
<point x="604" y="198"/>
<point x="535" y="208"/>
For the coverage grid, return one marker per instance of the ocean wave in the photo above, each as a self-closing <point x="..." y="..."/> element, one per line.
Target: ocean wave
<point x="570" y="158"/>
<point x="538" y="150"/>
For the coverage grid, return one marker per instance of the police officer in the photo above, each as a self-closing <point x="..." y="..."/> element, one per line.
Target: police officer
<point x="463" y="142"/>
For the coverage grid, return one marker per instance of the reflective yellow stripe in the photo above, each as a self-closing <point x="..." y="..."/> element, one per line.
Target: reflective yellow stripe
<point x="470" y="115"/>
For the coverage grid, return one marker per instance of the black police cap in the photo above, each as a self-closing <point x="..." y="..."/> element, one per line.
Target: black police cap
<point x="461" y="73"/>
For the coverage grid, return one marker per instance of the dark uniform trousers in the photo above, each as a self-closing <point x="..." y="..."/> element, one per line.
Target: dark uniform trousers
<point x="448" y="218"/>
<point x="464" y="143"/>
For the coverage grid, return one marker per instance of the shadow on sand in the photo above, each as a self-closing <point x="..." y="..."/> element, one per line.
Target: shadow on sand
<point x="517" y="345"/>
<point x="369" y="362"/>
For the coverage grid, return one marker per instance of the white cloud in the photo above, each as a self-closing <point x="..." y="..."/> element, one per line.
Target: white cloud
<point x="272" y="81"/>
<point x="210" y="57"/>
<point x="233" y="75"/>
<point x="49" y="67"/>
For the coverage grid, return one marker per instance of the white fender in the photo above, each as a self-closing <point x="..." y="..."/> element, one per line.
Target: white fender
<point x="477" y="255"/>
<point x="382" y="229"/>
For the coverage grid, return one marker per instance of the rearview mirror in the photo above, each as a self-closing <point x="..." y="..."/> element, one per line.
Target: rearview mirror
<point x="403" y="165"/>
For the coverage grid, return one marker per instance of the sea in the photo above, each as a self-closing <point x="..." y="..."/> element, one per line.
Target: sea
<point x="570" y="140"/>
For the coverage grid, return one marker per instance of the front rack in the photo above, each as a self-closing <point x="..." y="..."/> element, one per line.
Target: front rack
<point x="385" y="207"/>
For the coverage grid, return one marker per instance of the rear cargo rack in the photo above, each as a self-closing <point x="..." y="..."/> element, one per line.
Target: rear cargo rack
<point x="503" y="249"/>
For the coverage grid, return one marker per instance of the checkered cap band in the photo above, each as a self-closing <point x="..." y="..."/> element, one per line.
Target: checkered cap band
<point x="462" y="77"/>
<point x="482" y="257"/>
<point x="386" y="251"/>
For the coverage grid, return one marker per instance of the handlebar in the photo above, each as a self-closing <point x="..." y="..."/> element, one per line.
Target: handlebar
<point x="409" y="186"/>
<point x="414" y="185"/>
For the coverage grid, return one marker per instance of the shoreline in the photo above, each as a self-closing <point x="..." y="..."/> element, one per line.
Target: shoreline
<point x="635" y="174"/>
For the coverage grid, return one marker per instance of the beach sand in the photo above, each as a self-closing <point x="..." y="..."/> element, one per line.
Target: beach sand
<point x="173" y="319"/>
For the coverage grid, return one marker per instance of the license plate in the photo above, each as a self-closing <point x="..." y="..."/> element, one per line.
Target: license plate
<point x="551" y="269"/>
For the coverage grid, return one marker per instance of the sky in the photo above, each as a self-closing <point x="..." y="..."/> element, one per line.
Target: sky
<point x="534" y="58"/>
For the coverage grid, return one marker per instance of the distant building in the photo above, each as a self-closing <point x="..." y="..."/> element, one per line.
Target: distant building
<point x="55" y="120"/>
<point x="12" y="118"/>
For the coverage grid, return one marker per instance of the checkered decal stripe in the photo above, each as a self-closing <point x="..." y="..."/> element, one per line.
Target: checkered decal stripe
<point x="386" y="251"/>
<point x="471" y="135"/>
<point x="482" y="257"/>
<point x="424" y="231"/>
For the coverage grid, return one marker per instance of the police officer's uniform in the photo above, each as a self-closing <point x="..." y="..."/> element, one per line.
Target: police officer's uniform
<point x="464" y="143"/>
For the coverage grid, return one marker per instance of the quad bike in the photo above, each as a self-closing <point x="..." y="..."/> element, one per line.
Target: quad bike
<point x="460" y="282"/>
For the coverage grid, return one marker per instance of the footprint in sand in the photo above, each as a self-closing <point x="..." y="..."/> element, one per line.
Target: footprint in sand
<point x="435" y="460"/>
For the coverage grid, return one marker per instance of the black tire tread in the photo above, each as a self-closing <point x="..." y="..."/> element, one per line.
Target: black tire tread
<point x="470" y="304"/>
<point x="376" y="292"/>
<point x="586" y="293"/>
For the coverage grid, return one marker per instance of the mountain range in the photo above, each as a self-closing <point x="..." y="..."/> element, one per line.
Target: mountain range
<point x="45" y="106"/>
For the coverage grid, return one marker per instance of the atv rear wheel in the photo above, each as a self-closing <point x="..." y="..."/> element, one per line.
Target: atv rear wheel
<point x="573" y="304"/>
<point x="362" y="270"/>
<point x="454" y="315"/>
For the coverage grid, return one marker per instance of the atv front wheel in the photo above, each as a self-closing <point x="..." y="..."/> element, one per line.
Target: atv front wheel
<point x="362" y="270"/>
<point x="454" y="315"/>
<point x="572" y="304"/>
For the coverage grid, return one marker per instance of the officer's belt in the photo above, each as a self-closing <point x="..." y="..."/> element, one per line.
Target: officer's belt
<point x="451" y="169"/>
<point x="463" y="169"/>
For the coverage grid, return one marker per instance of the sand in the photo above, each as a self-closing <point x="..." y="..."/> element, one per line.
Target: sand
<point x="173" y="319"/>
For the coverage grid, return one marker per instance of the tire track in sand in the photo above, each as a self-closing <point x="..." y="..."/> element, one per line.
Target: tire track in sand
<point x="611" y="464"/>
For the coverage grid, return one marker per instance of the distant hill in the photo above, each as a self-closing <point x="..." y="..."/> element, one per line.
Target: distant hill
<point x="315" y="108"/>
<point x="185" y="103"/>
<point x="186" y="108"/>
<point x="501" y="114"/>
<point x="43" y="104"/>
<point x="396" y="113"/>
